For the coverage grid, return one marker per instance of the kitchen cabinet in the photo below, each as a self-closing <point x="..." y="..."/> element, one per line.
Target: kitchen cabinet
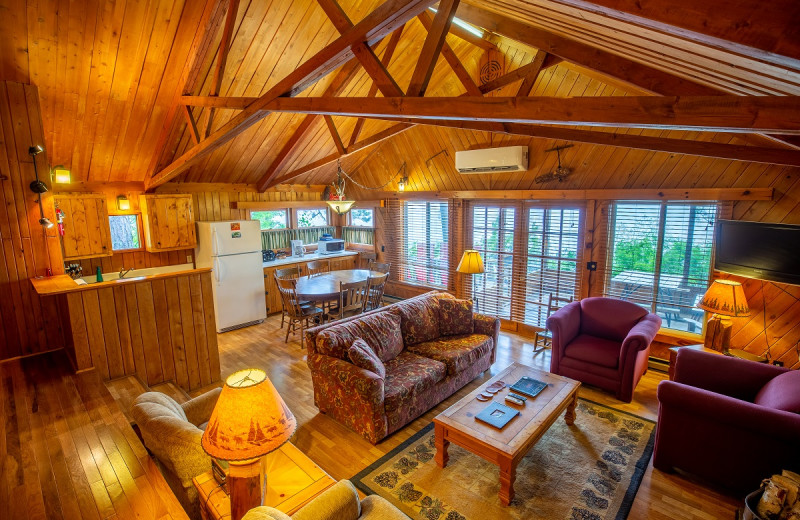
<point x="86" y="229"/>
<point x="341" y="264"/>
<point x="168" y="222"/>
<point x="271" y="293"/>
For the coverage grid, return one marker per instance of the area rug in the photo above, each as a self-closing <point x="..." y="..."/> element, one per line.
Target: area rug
<point x="590" y="470"/>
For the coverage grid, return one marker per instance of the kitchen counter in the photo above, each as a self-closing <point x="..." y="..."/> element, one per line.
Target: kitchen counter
<point x="310" y="257"/>
<point x="62" y="283"/>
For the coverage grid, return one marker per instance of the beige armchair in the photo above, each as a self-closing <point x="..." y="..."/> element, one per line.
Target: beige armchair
<point x="172" y="433"/>
<point x="340" y="502"/>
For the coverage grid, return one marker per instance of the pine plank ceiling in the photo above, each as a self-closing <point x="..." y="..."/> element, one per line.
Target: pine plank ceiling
<point x="110" y="74"/>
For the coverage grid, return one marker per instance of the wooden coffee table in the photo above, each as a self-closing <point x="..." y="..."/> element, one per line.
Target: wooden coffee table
<point x="506" y="447"/>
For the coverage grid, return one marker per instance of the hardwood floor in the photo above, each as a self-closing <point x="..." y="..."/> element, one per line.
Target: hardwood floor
<point x="342" y="453"/>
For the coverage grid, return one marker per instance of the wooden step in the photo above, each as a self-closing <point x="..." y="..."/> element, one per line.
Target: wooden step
<point x="125" y="390"/>
<point x="172" y="390"/>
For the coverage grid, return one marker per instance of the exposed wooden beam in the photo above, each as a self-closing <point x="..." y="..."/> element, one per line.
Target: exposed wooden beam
<point x="222" y="58"/>
<point x="383" y="20"/>
<point x="373" y="89"/>
<point x="337" y="139"/>
<point x="468" y="37"/>
<point x="236" y="103"/>
<point x="530" y="78"/>
<point x="518" y="74"/>
<point x="452" y="60"/>
<point x="262" y="205"/>
<point x="598" y="194"/>
<point x="772" y="28"/>
<point x="641" y="76"/>
<point x="779" y="114"/>
<point x="376" y="70"/>
<point x="191" y="124"/>
<point x="437" y="33"/>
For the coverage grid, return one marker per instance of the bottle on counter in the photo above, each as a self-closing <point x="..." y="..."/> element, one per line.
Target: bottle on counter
<point x="99" y="274"/>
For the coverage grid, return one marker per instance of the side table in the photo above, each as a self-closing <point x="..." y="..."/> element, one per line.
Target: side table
<point x="293" y="480"/>
<point x="673" y="354"/>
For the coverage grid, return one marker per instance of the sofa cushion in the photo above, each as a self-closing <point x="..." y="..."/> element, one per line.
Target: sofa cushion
<point x="781" y="393"/>
<point x="594" y="350"/>
<point x="362" y="356"/>
<point x="407" y="376"/>
<point x="457" y="352"/>
<point x="455" y="317"/>
<point x="420" y="318"/>
<point x="609" y="318"/>
<point x="380" y="330"/>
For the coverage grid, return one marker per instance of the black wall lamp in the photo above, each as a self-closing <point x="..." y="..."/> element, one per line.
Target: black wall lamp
<point x="39" y="187"/>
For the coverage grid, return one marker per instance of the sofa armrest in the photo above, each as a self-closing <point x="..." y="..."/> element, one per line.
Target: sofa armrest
<point x="198" y="410"/>
<point x="565" y="324"/>
<point x="638" y="339"/>
<point x="490" y="326"/>
<point x="265" y="513"/>
<point x="725" y="375"/>
<point x="339" y="502"/>
<point x="737" y="414"/>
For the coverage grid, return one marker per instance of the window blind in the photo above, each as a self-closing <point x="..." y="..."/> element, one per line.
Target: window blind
<point x="659" y="256"/>
<point x="418" y="238"/>
<point x="530" y="251"/>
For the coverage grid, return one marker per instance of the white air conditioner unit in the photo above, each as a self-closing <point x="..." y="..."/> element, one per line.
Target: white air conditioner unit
<point x="491" y="160"/>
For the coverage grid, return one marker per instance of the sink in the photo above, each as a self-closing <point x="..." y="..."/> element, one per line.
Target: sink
<point x="136" y="273"/>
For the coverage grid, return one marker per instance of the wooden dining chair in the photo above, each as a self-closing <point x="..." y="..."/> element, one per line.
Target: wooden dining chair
<point x="542" y="340"/>
<point x="318" y="267"/>
<point x="364" y="259"/>
<point x="379" y="267"/>
<point x="375" y="288"/>
<point x="283" y="274"/>
<point x="351" y="300"/>
<point x="298" y="314"/>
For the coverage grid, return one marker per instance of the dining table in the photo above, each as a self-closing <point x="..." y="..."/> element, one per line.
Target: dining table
<point x="324" y="287"/>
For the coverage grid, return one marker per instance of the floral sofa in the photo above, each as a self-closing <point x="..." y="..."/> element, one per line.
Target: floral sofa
<point x="378" y="371"/>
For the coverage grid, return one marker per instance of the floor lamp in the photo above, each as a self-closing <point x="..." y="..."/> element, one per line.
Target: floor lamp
<point x="471" y="263"/>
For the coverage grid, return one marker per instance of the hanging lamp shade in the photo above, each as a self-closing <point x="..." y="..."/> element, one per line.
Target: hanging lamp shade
<point x="726" y="298"/>
<point x="471" y="262"/>
<point x="340" y="206"/>
<point x="249" y="420"/>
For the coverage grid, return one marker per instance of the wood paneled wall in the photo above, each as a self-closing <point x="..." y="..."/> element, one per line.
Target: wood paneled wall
<point x="159" y="330"/>
<point x="28" y="325"/>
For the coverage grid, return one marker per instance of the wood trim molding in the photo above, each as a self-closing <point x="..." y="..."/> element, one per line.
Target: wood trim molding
<point x="600" y="194"/>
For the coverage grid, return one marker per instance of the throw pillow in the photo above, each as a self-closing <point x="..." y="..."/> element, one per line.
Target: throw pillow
<point x="364" y="357"/>
<point x="781" y="393"/>
<point x="455" y="317"/>
<point x="380" y="330"/>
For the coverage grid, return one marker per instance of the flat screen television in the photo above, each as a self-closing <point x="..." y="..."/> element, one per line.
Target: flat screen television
<point x="759" y="250"/>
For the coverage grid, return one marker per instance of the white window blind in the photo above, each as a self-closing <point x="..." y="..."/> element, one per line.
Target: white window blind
<point x="530" y="252"/>
<point x="418" y="241"/>
<point x="659" y="256"/>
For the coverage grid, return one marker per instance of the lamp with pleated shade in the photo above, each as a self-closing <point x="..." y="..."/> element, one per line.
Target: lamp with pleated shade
<point x="249" y="420"/>
<point x="726" y="299"/>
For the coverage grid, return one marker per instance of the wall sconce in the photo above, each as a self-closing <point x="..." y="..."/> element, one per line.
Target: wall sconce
<point x="401" y="186"/>
<point x="61" y="175"/>
<point x="123" y="204"/>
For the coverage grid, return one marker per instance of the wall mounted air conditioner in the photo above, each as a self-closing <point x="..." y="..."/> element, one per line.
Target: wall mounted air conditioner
<point x="491" y="160"/>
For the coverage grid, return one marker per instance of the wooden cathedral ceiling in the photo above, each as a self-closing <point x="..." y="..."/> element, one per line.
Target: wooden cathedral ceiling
<point x="111" y="75"/>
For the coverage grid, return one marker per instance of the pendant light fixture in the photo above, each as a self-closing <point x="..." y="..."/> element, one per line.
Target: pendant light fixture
<point x="39" y="187"/>
<point x="339" y="204"/>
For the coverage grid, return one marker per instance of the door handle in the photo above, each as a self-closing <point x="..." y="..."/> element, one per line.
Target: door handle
<point x="217" y="267"/>
<point x="215" y="242"/>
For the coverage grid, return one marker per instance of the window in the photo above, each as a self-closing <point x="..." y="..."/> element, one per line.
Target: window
<point x="424" y="250"/>
<point x="361" y="218"/>
<point x="275" y="219"/>
<point x="312" y="217"/>
<point x="659" y="257"/>
<point x="124" y="232"/>
<point x="530" y="252"/>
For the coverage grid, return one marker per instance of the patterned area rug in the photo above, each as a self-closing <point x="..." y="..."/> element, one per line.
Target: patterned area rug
<point x="588" y="471"/>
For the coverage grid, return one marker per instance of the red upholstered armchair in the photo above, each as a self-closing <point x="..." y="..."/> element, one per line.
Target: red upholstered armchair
<point x="603" y="342"/>
<point x="730" y="421"/>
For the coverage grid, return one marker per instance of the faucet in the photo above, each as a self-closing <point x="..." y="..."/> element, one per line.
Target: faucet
<point x="123" y="272"/>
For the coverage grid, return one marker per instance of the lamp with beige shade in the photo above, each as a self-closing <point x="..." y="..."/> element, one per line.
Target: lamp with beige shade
<point x="726" y="299"/>
<point x="249" y="420"/>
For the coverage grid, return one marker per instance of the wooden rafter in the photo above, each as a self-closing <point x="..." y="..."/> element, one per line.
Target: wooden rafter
<point x="337" y="139"/>
<point x="364" y="53"/>
<point x="237" y="103"/>
<point x="222" y="58"/>
<point x="383" y="20"/>
<point x="191" y="124"/>
<point x="530" y="78"/>
<point x="373" y="89"/>
<point x="518" y="74"/>
<point x="452" y="60"/>
<point x="437" y="33"/>
<point x="778" y="114"/>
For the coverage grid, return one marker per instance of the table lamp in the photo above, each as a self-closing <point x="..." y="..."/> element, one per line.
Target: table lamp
<point x="249" y="420"/>
<point x="724" y="298"/>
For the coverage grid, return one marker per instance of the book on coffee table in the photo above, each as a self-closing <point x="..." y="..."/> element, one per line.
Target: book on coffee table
<point x="497" y="415"/>
<point x="528" y="386"/>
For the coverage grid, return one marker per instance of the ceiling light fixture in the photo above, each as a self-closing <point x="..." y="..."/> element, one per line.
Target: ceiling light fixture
<point x="338" y="202"/>
<point x="61" y="175"/>
<point x="561" y="173"/>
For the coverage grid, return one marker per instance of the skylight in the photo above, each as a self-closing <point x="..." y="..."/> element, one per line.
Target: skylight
<point x="464" y="25"/>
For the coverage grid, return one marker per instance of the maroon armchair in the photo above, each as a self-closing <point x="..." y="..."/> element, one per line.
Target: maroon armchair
<point x="729" y="421"/>
<point x="603" y="342"/>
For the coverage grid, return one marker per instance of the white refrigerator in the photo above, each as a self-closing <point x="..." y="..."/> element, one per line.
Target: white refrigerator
<point x="232" y="249"/>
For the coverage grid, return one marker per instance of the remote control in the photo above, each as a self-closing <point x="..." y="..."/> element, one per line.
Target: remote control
<point x="520" y="397"/>
<point x="514" y="400"/>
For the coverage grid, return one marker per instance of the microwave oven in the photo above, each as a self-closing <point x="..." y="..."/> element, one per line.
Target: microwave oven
<point x="328" y="247"/>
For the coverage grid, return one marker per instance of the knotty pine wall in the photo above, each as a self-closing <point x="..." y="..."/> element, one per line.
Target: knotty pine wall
<point x="429" y="154"/>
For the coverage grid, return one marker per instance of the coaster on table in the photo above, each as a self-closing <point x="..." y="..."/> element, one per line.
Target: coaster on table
<point x="487" y="395"/>
<point x="482" y="398"/>
<point x="496" y="386"/>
